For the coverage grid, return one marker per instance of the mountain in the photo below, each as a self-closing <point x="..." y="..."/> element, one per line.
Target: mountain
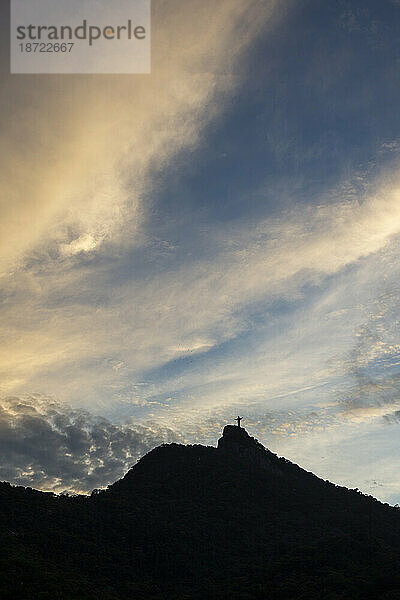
<point x="197" y="522"/>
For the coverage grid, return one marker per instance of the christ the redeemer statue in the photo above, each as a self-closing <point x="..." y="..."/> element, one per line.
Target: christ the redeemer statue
<point x="238" y="420"/>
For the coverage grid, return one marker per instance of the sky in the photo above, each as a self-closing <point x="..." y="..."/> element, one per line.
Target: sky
<point x="219" y="237"/>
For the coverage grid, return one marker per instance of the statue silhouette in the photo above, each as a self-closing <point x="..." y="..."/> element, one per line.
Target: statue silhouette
<point x="238" y="419"/>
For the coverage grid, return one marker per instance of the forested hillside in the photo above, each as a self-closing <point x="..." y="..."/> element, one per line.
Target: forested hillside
<point x="195" y="522"/>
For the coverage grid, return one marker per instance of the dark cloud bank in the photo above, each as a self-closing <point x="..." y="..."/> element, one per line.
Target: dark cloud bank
<point x="46" y="445"/>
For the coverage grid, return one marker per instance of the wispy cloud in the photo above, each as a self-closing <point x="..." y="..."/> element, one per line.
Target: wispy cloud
<point x="373" y="363"/>
<point x="78" y="153"/>
<point x="83" y="321"/>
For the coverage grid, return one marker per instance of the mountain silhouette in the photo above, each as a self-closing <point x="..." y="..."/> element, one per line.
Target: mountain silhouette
<point x="199" y="522"/>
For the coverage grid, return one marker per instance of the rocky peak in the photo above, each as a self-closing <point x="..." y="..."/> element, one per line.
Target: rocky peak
<point x="236" y="436"/>
<point x="237" y="442"/>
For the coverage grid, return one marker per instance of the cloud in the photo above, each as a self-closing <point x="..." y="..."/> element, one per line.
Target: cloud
<point x="47" y="445"/>
<point x="77" y="153"/>
<point x="373" y="364"/>
<point x="85" y="318"/>
<point x="80" y="158"/>
<point x="78" y="202"/>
